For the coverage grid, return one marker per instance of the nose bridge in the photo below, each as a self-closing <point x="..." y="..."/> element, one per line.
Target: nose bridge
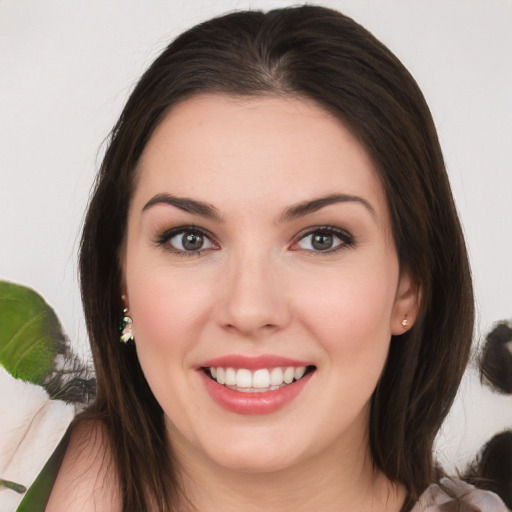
<point x="254" y="298"/>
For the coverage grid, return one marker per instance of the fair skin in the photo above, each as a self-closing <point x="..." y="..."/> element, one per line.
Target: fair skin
<point x="285" y="251"/>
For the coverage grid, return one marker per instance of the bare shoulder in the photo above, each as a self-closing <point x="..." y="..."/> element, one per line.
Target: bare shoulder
<point x="87" y="480"/>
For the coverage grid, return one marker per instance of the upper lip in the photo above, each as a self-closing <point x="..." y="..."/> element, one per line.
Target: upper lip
<point x="253" y="362"/>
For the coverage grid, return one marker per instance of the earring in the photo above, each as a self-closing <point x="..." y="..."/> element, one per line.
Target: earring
<point x="405" y="323"/>
<point x="126" y="329"/>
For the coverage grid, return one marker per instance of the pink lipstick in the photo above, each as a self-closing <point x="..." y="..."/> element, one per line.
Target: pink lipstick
<point x="254" y="385"/>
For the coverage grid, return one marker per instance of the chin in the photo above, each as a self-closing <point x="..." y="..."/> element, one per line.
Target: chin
<point x="253" y="450"/>
<point x="252" y="461"/>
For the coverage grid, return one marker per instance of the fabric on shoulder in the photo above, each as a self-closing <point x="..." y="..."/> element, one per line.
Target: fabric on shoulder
<point x="437" y="495"/>
<point x="431" y="500"/>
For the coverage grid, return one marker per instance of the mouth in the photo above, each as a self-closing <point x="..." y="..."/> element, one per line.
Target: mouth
<point x="259" y="380"/>
<point x="262" y="384"/>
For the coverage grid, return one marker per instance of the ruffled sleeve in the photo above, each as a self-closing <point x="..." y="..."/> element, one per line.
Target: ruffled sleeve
<point x="452" y="489"/>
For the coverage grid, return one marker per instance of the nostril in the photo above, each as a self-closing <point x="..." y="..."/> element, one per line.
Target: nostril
<point x="250" y="328"/>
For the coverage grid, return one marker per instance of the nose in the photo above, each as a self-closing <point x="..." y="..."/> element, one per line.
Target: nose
<point x="254" y="297"/>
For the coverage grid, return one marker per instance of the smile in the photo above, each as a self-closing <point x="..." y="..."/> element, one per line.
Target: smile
<point x="255" y="385"/>
<point x="257" y="381"/>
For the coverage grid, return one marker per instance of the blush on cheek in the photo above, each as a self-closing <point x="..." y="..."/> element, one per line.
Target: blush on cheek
<point x="353" y="325"/>
<point x="164" y="313"/>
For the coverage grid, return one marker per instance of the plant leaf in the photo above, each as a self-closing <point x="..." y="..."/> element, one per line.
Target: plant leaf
<point x="20" y="489"/>
<point x="30" y="333"/>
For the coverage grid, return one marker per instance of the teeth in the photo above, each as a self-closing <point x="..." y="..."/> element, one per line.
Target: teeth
<point x="276" y="377"/>
<point x="288" y="375"/>
<point x="230" y="377"/>
<point x="221" y="376"/>
<point x="260" y="380"/>
<point x="299" y="372"/>
<point x="243" y="378"/>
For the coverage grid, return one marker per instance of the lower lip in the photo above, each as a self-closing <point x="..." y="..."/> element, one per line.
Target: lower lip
<point x="265" y="402"/>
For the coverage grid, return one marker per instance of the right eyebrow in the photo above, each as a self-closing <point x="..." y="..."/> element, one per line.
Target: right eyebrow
<point x="186" y="204"/>
<point x="313" y="205"/>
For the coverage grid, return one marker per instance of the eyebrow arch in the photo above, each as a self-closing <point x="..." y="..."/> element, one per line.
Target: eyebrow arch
<point x="306" y="207"/>
<point x="186" y="204"/>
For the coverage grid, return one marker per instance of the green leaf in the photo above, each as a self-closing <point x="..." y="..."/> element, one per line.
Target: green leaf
<point x="30" y="333"/>
<point x="20" y="489"/>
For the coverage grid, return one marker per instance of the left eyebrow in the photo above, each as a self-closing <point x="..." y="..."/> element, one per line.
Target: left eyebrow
<point x="306" y="207"/>
<point x="186" y="204"/>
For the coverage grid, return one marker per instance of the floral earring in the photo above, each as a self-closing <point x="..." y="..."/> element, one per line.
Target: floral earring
<point x="126" y="329"/>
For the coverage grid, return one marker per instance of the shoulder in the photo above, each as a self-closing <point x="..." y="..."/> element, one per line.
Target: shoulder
<point x="438" y="496"/>
<point x="87" y="478"/>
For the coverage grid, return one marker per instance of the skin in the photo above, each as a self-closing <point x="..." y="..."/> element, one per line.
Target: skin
<point x="259" y="287"/>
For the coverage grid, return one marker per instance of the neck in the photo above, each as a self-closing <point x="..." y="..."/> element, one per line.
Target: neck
<point x="337" y="480"/>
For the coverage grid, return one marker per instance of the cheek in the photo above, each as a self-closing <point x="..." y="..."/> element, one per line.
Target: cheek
<point x="167" y="307"/>
<point x="351" y="314"/>
<point x="169" y="312"/>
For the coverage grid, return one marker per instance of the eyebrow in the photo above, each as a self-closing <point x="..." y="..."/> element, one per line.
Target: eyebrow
<point x="293" y="212"/>
<point x="186" y="204"/>
<point x="306" y="207"/>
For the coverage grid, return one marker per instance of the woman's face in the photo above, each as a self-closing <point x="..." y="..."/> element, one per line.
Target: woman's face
<point x="262" y="280"/>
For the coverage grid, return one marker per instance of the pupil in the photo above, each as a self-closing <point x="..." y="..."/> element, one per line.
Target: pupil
<point x="192" y="242"/>
<point x="322" y="242"/>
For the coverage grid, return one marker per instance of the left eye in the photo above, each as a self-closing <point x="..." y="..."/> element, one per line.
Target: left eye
<point x="188" y="241"/>
<point x="325" y="240"/>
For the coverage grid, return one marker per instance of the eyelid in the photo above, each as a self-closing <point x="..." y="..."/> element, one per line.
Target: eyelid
<point x="346" y="238"/>
<point x="164" y="237"/>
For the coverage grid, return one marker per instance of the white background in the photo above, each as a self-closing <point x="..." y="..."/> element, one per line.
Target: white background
<point x="66" y="68"/>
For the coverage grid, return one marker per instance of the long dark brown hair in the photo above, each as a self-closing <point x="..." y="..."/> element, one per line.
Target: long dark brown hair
<point x="320" y="54"/>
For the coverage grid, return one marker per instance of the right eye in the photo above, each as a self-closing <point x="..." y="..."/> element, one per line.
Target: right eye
<point x="185" y="241"/>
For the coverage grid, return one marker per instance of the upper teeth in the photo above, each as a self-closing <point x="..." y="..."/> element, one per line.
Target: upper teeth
<point x="258" y="379"/>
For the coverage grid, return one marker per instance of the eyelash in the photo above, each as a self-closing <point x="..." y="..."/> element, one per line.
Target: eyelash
<point x="345" y="238"/>
<point x="163" y="239"/>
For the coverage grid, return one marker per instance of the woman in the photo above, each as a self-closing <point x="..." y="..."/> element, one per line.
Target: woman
<point x="274" y="227"/>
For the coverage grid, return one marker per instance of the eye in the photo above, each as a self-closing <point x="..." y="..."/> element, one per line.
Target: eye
<point x="185" y="241"/>
<point x="326" y="239"/>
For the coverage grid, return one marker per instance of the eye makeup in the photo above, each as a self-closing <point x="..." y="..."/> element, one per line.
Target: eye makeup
<point x="191" y="240"/>
<point x="186" y="241"/>
<point x="324" y="240"/>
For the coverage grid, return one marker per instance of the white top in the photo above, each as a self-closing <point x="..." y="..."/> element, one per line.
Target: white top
<point x="432" y="499"/>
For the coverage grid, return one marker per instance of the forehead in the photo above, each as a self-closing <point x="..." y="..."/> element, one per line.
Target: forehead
<point x="240" y="151"/>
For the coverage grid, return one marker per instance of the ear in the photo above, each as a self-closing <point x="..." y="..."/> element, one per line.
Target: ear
<point x="124" y="291"/>
<point x="124" y="294"/>
<point x="406" y="306"/>
<point x="123" y="287"/>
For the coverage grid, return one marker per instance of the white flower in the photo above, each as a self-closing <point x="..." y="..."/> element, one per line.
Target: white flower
<point x="31" y="427"/>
